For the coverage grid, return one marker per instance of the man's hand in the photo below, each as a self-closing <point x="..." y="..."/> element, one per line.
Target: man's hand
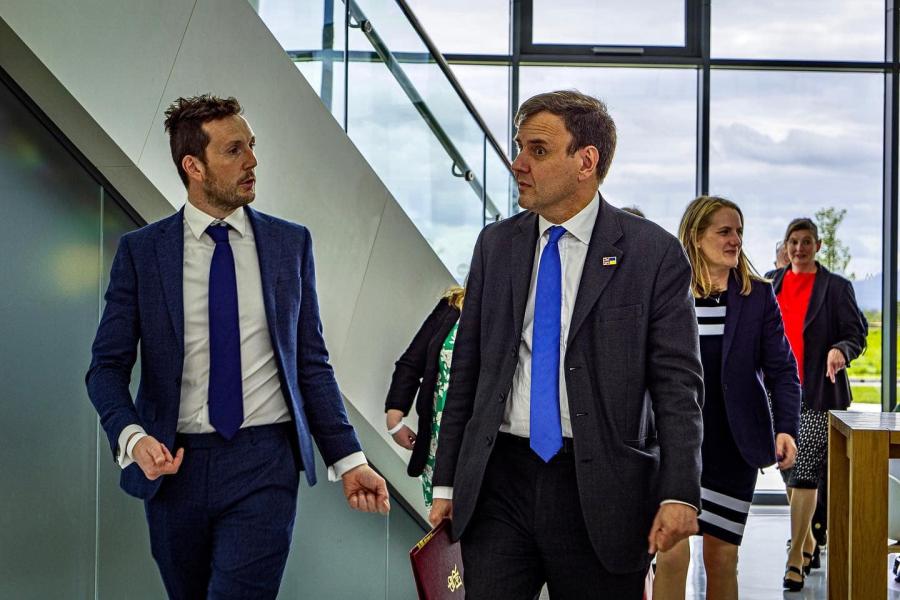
<point x="673" y="523"/>
<point x="785" y="451"/>
<point x="441" y="509"/>
<point x="834" y="363"/>
<point x="406" y="437"/>
<point x="365" y="490"/>
<point x="154" y="458"/>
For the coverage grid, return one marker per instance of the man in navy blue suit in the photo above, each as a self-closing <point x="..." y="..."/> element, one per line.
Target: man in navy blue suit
<point x="235" y="380"/>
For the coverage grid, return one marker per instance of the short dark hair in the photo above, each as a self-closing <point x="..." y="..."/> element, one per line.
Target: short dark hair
<point x="802" y="224"/>
<point x="184" y="123"/>
<point x="585" y="117"/>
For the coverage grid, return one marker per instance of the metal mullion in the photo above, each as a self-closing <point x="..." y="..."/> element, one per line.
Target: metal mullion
<point x="693" y="14"/>
<point x="889" y="213"/>
<point x="531" y="58"/>
<point x="521" y="29"/>
<point x="703" y="101"/>
<point x="800" y="65"/>
<point x="478" y="59"/>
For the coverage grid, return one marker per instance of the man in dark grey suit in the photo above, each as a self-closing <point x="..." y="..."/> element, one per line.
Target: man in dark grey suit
<point x="569" y="448"/>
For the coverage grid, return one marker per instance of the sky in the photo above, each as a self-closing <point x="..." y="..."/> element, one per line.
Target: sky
<point x="783" y="144"/>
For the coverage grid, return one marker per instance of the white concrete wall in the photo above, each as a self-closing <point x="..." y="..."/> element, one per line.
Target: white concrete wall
<point x="105" y="71"/>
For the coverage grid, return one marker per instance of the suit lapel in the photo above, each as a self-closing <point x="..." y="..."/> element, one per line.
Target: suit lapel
<point x="596" y="275"/>
<point x="268" y="250"/>
<point x="170" y="258"/>
<point x="733" y="303"/>
<point x="817" y="298"/>
<point x="521" y="253"/>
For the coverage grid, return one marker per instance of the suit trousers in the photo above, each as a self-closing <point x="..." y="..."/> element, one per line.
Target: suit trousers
<point x="221" y="527"/>
<point x="528" y="529"/>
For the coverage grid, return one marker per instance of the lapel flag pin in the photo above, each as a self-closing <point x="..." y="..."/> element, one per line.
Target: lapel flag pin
<point x="609" y="261"/>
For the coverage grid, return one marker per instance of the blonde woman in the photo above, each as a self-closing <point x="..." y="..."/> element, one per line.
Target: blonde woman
<point x="422" y="374"/>
<point x="741" y="341"/>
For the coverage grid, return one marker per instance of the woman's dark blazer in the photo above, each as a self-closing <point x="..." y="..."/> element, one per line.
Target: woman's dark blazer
<point x="756" y="355"/>
<point x="415" y="377"/>
<point x="833" y="320"/>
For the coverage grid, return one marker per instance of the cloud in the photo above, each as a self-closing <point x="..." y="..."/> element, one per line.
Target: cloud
<point x="798" y="148"/>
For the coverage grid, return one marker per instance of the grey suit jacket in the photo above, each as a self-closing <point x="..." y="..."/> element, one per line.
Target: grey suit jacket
<point x="632" y="370"/>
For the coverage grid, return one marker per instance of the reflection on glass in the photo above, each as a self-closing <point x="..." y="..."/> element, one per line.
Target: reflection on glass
<point x="655" y="115"/>
<point x="609" y="22"/>
<point x="414" y="166"/>
<point x="488" y="88"/>
<point x="800" y="29"/>
<point x="49" y="241"/>
<point x="779" y="160"/>
<point x="296" y="25"/>
<point x="465" y="26"/>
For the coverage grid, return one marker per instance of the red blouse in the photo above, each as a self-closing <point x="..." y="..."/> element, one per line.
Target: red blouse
<point x="793" y="299"/>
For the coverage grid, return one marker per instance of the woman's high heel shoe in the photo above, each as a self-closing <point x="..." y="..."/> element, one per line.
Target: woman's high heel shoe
<point x="807" y="563"/>
<point x="791" y="585"/>
<point x="816" y="560"/>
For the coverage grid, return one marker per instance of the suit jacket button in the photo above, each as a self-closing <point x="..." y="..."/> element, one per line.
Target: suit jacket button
<point x="501" y="398"/>
<point x="178" y="381"/>
<point x="489" y="439"/>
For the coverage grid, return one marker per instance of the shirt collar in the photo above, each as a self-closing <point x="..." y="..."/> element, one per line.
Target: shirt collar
<point x="581" y="225"/>
<point x="198" y="220"/>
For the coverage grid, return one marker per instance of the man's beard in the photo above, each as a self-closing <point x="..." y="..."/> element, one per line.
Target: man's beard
<point x="222" y="197"/>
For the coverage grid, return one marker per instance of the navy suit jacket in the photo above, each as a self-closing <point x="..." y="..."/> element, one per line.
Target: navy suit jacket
<point x="756" y="355"/>
<point x="145" y="307"/>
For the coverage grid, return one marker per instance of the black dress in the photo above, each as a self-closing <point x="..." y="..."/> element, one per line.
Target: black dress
<point x="727" y="482"/>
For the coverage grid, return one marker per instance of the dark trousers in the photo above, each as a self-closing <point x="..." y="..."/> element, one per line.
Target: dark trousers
<point x="528" y="529"/>
<point x="221" y="527"/>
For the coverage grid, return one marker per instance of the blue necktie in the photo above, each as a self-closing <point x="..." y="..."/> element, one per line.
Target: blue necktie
<point x="546" y="429"/>
<point x="226" y="400"/>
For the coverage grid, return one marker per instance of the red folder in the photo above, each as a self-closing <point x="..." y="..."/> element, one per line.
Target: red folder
<point x="437" y="565"/>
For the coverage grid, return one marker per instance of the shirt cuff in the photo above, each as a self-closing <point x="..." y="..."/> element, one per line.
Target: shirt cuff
<point x="680" y="502"/>
<point x="444" y="492"/>
<point x="125" y="447"/>
<point x="340" y="467"/>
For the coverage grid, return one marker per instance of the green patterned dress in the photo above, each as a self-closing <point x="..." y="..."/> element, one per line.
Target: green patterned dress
<point x="440" y="396"/>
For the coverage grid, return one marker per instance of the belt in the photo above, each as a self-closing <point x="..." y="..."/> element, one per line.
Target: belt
<point x="516" y="441"/>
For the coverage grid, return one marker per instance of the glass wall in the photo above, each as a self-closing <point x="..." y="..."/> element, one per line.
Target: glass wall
<point x="778" y="106"/>
<point x="68" y="530"/>
<point x="402" y="112"/>
<point x="655" y="114"/>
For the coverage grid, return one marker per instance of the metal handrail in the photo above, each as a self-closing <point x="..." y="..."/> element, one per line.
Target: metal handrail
<point x="393" y="65"/>
<point x="448" y="73"/>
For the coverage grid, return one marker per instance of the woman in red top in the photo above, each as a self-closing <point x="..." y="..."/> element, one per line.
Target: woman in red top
<point x="826" y="330"/>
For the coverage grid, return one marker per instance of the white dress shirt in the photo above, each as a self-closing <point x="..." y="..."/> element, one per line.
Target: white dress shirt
<point x="264" y="402"/>
<point x="573" y="247"/>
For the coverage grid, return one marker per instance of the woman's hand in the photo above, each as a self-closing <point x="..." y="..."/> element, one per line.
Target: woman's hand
<point x="834" y="363"/>
<point x="405" y="436"/>
<point x="785" y="451"/>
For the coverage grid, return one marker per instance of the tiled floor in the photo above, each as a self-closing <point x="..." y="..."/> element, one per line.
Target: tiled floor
<point x="762" y="558"/>
<point x="761" y="562"/>
<point x="761" y="565"/>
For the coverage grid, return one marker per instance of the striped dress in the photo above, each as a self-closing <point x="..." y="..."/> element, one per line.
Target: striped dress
<point x="727" y="481"/>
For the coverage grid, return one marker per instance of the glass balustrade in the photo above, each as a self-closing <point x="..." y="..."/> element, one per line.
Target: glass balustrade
<point x="403" y="108"/>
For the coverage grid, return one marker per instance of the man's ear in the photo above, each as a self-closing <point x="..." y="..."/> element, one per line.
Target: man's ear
<point x="590" y="159"/>
<point x="194" y="168"/>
